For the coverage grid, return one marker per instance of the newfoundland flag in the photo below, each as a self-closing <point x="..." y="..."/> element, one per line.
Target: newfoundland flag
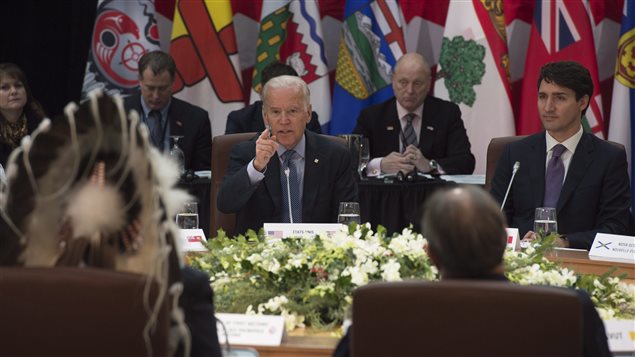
<point x="370" y="44"/>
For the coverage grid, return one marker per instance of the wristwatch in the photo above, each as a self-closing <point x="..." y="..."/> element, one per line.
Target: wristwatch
<point x="434" y="166"/>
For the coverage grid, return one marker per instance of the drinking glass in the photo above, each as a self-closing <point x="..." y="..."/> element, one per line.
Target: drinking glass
<point x="177" y="154"/>
<point x="545" y="221"/>
<point x="187" y="218"/>
<point x="364" y="157"/>
<point x="349" y="212"/>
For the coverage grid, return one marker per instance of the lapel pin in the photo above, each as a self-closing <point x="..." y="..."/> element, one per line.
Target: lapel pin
<point x="431" y="128"/>
<point x="316" y="160"/>
<point x="390" y="128"/>
<point x="178" y="122"/>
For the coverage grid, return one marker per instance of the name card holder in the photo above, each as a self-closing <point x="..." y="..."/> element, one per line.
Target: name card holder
<point x="620" y="335"/>
<point x="513" y="241"/>
<point x="192" y="240"/>
<point x="250" y="330"/>
<point x="613" y="248"/>
<point x="289" y="230"/>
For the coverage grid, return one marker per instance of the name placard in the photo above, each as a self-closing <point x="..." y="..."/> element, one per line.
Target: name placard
<point x="252" y="330"/>
<point x="621" y="335"/>
<point x="192" y="240"/>
<point x="613" y="248"/>
<point x="287" y="230"/>
<point x="513" y="242"/>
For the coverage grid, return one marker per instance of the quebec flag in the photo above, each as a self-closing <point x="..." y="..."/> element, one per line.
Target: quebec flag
<point x="371" y="42"/>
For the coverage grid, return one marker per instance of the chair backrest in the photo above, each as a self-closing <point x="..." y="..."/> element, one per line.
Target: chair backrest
<point x="494" y="151"/>
<point x="78" y="312"/>
<point x="221" y="147"/>
<point x="465" y="318"/>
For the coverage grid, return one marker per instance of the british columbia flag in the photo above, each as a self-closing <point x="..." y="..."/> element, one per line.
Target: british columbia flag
<point x="561" y="31"/>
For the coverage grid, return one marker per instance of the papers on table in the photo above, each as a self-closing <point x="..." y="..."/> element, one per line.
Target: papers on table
<point x="203" y="174"/>
<point x="465" y="179"/>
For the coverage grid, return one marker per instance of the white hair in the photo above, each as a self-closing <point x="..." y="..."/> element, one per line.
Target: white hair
<point x="287" y="82"/>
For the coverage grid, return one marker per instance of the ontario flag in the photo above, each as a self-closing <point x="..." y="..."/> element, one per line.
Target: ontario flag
<point x="371" y="43"/>
<point x="291" y="32"/>
<point x="622" y="124"/>
<point x="561" y="31"/>
<point x="204" y="49"/>
<point x="474" y="72"/>
<point x="123" y="32"/>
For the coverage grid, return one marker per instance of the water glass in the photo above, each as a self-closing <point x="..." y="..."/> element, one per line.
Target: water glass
<point x="545" y="221"/>
<point x="349" y="212"/>
<point x="187" y="218"/>
<point x="364" y="157"/>
<point x="177" y="154"/>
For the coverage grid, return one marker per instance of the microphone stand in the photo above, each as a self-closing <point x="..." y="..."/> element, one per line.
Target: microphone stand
<point x="286" y="173"/>
<point x="514" y="170"/>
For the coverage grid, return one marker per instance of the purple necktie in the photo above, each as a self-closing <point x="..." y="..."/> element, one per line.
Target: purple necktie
<point x="554" y="177"/>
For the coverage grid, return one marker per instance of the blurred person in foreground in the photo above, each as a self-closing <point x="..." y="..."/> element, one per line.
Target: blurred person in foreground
<point x="250" y="119"/>
<point x="584" y="177"/>
<point x="20" y="113"/>
<point x="287" y="173"/>
<point x="466" y="240"/>
<point x="168" y="116"/>
<point x="414" y="129"/>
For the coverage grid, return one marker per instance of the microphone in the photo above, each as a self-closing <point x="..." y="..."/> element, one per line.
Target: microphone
<point x="286" y="173"/>
<point x="514" y="170"/>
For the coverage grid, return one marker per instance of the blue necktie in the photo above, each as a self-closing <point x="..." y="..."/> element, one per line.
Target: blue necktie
<point x="294" y="186"/>
<point x="154" y="127"/>
<point x="554" y="177"/>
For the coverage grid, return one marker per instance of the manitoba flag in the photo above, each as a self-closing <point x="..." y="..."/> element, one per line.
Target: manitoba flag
<point x="561" y="31"/>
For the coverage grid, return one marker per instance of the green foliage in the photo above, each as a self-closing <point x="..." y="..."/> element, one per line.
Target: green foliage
<point x="463" y="68"/>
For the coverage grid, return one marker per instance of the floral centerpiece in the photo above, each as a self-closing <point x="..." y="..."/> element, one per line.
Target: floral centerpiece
<point x="310" y="280"/>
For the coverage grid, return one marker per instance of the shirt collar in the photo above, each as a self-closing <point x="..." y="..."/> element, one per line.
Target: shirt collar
<point x="300" y="148"/>
<point x="402" y="112"/>
<point x="147" y="110"/>
<point x="570" y="143"/>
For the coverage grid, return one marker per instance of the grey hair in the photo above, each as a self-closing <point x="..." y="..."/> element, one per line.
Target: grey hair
<point x="412" y="56"/>
<point x="287" y="82"/>
<point x="465" y="231"/>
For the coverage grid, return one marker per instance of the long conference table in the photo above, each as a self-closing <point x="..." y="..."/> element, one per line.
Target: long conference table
<point x="303" y="343"/>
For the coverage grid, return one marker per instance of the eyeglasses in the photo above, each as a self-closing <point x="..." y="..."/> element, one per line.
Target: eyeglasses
<point x="276" y="113"/>
<point x="417" y="84"/>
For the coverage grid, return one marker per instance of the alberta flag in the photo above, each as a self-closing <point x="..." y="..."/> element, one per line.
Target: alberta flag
<point x="204" y="49"/>
<point x="291" y="32"/>
<point x="123" y="32"/>
<point x="371" y="42"/>
<point x="474" y="71"/>
<point x="622" y="125"/>
<point x="561" y="31"/>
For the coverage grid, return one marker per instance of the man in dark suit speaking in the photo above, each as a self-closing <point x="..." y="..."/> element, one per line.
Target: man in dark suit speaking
<point x="287" y="174"/>
<point x="585" y="178"/>
<point x="165" y="115"/>
<point x="415" y="130"/>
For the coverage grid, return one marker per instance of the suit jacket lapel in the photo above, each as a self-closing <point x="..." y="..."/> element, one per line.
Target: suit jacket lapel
<point x="580" y="161"/>
<point x="272" y="182"/>
<point x="392" y="127"/>
<point x="536" y="167"/>
<point x="313" y="160"/>
<point x="426" y="137"/>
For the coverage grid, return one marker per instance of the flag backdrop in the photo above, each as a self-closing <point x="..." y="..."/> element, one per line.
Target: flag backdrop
<point x="291" y="32"/>
<point x="474" y="72"/>
<point x="622" y="125"/>
<point x="123" y="32"/>
<point x="561" y="30"/>
<point x="371" y="42"/>
<point x="204" y="49"/>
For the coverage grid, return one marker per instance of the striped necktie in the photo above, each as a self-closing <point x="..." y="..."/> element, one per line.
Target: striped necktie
<point x="554" y="177"/>
<point x="409" y="135"/>
<point x="292" y="197"/>
<point x="154" y="127"/>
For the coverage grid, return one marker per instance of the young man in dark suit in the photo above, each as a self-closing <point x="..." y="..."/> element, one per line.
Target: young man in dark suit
<point x="249" y="118"/>
<point x="415" y="130"/>
<point x="165" y="115"/>
<point x="585" y="178"/>
<point x="287" y="174"/>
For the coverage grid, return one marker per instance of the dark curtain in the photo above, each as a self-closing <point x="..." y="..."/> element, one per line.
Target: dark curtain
<point x="49" y="40"/>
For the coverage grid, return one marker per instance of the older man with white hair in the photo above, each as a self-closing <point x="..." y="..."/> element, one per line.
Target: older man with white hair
<point x="287" y="174"/>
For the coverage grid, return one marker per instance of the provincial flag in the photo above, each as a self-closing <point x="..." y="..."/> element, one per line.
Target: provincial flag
<point x="622" y="124"/>
<point x="371" y="43"/>
<point x="561" y="31"/>
<point x="204" y="49"/>
<point x="291" y="32"/>
<point x="123" y="32"/>
<point x="474" y="72"/>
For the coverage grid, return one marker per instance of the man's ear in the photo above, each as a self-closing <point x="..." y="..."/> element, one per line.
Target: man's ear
<point x="584" y="102"/>
<point x="310" y="110"/>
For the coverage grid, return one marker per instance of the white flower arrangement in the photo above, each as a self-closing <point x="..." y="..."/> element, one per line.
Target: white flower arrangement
<point x="311" y="280"/>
